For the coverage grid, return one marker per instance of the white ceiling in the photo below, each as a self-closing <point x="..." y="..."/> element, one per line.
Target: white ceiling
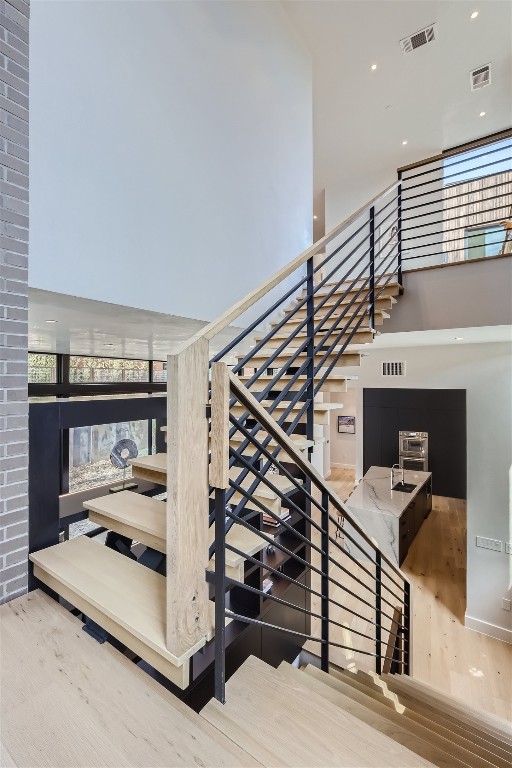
<point x="362" y="116"/>
<point x="480" y="335"/>
<point x="86" y="327"/>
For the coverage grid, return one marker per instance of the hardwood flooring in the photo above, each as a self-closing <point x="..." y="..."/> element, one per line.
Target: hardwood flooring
<point x="446" y="654"/>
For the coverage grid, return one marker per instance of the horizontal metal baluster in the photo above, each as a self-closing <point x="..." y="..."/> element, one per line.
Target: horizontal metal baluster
<point x="444" y="176"/>
<point x="287" y="551"/>
<point x="269" y="596"/>
<point x="448" y="208"/>
<point x="313" y="638"/>
<point x="463" y="236"/>
<point x="438" y="253"/>
<point x="291" y="530"/>
<point x="456" y="197"/>
<point x="451" y="218"/>
<point x="309" y="590"/>
<point x="446" y="163"/>
<point x="334" y="501"/>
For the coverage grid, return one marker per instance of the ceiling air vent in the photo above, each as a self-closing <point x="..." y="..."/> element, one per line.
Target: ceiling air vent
<point x="393" y="369"/>
<point x="424" y="36"/>
<point x="480" y="77"/>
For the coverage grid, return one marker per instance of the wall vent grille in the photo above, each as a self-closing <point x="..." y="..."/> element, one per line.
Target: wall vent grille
<point x="424" y="36"/>
<point x="393" y="369"/>
<point x="480" y="77"/>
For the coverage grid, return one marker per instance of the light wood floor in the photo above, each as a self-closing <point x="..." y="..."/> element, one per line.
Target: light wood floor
<point x="447" y="655"/>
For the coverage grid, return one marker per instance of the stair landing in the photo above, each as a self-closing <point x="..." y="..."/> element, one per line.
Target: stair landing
<point x="68" y="701"/>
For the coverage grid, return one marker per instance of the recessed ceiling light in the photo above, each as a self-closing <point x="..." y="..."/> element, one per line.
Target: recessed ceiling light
<point x="404" y="142"/>
<point x="482" y="114"/>
<point x="315" y="216"/>
<point x="458" y="338"/>
<point x="374" y="67"/>
<point x="109" y="345"/>
<point x="474" y="15"/>
<point x="51" y="321"/>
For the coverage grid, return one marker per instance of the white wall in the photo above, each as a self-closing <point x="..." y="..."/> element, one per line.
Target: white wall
<point x="485" y="371"/>
<point x="345" y="198"/>
<point x="171" y="151"/>
<point x="343" y="445"/>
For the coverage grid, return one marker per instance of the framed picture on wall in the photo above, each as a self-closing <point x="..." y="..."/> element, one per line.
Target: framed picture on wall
<point x="347" y="424"/>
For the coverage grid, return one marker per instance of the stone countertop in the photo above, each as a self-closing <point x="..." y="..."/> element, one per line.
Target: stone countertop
<point x="374" y="494"/>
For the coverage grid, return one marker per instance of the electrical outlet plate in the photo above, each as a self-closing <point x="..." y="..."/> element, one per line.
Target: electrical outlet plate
<point x="505" y="604"/>
<point x="493" y="544"/>
<point x="508" y="547"/>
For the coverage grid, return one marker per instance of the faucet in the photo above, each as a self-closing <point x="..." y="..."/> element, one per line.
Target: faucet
<point x="392" y="474"/>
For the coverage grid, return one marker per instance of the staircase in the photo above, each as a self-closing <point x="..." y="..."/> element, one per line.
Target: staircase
<point x="73" y="702"/>
<point x="165" y="610"/>
<point x="307" y="717"/>
<point x="252" y="542"/>
<point x="76" y="569"/>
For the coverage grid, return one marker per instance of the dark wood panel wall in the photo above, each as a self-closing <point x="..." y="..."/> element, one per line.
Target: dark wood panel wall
<point x="440" y="412"/>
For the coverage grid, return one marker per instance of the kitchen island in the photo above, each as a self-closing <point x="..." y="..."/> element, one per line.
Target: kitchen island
<point x="391" y="517"/>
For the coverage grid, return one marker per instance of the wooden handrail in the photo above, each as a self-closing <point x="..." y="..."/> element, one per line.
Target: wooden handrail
<point x="218" y="325"/>
<point x="278" y="433"/>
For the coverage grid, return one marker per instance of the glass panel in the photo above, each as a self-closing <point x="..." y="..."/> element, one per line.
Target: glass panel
<point x="159" y="371"/>
<point x="42" y="369"/>
<point x="482" y="242"/>
<point x="97" y="370"/>
<point x="89" y="452"/>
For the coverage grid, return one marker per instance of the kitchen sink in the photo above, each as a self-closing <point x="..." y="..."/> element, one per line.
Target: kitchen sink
<point x="404" y="487"/>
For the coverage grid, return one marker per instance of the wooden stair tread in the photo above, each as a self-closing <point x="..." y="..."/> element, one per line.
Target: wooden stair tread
<point x="129" y="598"/>
<point x="310" y="731"/>
<point x="74" y="702"/>
<point x="391" y="287"/>
<point x="280" y="481"/>
<point x="300" y="441"/>
<point x="145" y="514"/>
<point x="302" y="336"/>
<point x="153" y="467"/>
<point x="448" y="751"/>
<point x="417" y="738"/>
<point x="347" y="358"/>
<point x="284" y="404"/>
<point x="147" y="517"/>
<point x="485" y="721"/>
<point x="333" y="383"/>
<point x="450" y="727"/>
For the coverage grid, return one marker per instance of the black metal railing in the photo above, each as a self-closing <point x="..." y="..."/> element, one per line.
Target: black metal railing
<point x="328" y="308"/>
<point x="453" y="207"/>
<point x="325" y="571"/>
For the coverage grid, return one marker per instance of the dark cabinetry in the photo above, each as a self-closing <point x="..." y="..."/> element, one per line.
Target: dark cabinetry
<point x="412" y="519"/>
<point x="440" y="412"/>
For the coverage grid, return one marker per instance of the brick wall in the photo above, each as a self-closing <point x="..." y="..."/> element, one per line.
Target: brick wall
<point x="14" y="297"/>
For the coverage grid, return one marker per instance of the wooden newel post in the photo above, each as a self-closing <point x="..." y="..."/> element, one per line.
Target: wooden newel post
<point x="187" y="498"/>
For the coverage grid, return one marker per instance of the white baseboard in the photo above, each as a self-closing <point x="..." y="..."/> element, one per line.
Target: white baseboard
<point x="343" y="466"/>
<point x="500" y="633"/>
